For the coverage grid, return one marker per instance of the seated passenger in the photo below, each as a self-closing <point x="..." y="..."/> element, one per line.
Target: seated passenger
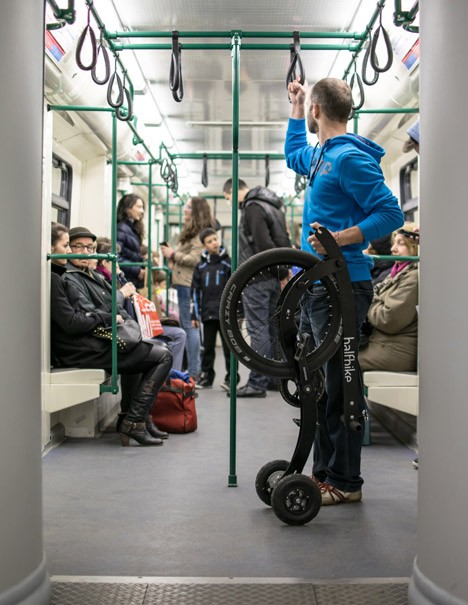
<point x="381" y="268"/>
<point x="393" y="341"/>
<point x="73" y="345"/>
<point x="173" y="336"/>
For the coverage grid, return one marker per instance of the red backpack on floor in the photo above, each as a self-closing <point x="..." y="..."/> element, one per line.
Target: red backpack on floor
<point x="174" y="408"/>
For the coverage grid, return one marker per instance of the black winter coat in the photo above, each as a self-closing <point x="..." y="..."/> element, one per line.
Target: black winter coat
<point x="72" y="344"/>
<point x="263" y="223"/>
<point x="209" y="278"/>
<point x="130" y="251"/>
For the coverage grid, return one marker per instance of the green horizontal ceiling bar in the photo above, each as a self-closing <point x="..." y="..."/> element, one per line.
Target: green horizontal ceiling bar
<point x="78" y="108"/>
<point x="389" y="110"/>
<point x="227" y="46"/>
<point x="243" y="34"/>
<point x="148" y="185"/>
<point x="136" y="162"/>
<point x="226" y="155"/>
<point x="369" y="26"/>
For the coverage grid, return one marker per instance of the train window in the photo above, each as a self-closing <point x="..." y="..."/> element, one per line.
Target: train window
<point x="62" y="178"/>
<point x="408" y="184"/>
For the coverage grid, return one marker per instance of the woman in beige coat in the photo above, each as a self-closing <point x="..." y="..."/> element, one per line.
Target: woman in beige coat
<point x="393" y="342"/>
<point x="183" y="260"/>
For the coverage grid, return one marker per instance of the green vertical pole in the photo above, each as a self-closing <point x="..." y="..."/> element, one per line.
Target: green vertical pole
<point x="235" y="55"/>
<point x="114" y="386"/>
<point x="166" y="221"/>
<point x="149" y="264"/>
<point x="356" y="124"/>
<point x="293" y="229"/>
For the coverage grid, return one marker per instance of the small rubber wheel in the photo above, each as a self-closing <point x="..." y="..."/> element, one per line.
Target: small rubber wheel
<point x="267" y="478"/>
<point x="296" y="499"/>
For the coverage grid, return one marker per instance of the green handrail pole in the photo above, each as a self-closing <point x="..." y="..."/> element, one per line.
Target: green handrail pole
<point x="150" y="250"/>
<point x="166" y="221"/>
<point x="235" y="55"/>
<point x="224" y="34"/>
<point x="225" y="46"/>
<point x="355" y="124"/>
<point x="115" y="388"/>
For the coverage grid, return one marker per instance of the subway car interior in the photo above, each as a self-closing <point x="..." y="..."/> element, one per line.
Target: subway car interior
<point x="167" y="100"/>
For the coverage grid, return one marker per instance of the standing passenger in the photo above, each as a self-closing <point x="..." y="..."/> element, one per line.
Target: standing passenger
<point x="346" y="194"/>
<point x="183" y="260"/>
<point x="130" y="231"/>
<point x="209" y="278"/>
<point x="262" y="227"/>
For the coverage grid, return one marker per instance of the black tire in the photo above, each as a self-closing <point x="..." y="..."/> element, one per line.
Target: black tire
<point x="267" y="477"/>
<point x="296" y="499"/>
<point x="267" y="265"/>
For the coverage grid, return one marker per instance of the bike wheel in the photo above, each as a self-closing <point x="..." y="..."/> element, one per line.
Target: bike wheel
<point x="269" y="267"/>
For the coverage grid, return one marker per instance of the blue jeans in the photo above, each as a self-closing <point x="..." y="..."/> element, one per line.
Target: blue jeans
<point x="337" y="449"/>
<point x="176" y="343"/>
<point x="193" y="334"/>
<point x="259" y="301"/>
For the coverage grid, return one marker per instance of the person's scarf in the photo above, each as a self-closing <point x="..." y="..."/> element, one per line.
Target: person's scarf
<point x="398" y="267"/>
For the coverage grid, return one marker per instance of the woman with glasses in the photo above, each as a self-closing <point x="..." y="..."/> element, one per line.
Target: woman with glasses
<point x="73" y="344"/>
<point x="130" y="234"/>
<point x="183" y="260"/>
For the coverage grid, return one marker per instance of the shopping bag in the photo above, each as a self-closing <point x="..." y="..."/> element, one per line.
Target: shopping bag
<point x="147" y="316"/>
<point x="174" y="408"/>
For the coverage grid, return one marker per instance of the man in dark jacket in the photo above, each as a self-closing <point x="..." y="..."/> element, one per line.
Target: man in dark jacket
<point x="262" y="227"/>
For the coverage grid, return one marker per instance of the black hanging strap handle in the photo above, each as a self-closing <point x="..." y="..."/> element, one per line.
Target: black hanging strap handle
<point x="267" y="170"/>
<point x="388" y="45"/>
<point x="204" y="178"/>
<point x="176" y="83"/>
<point x="115" y="78"/>
<point x="365" y="61"/>
<point x="295" y="61"/>
<point x="88" y="30"/>
<point x="128" y="115"/>
<point x="101" y="51"/>
<point x="357" y="78"/>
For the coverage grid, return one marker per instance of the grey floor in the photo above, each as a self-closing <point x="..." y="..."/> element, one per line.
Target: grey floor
<point x="167" y="511"/>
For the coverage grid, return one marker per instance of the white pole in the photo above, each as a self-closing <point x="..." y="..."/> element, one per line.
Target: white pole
<point x="440" y="573"/>
<point x="23" y="574"/>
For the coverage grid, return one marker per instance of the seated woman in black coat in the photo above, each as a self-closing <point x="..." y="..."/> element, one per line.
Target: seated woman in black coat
<point x="73" y="345"/>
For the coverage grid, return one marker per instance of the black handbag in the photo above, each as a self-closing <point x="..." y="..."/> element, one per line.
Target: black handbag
<point x="128" y="335"/>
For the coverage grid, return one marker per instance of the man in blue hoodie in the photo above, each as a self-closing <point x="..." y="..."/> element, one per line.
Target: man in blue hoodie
<point x="346" y="194"/>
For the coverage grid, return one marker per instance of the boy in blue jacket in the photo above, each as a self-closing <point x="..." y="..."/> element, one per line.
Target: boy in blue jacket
<point x="346" y="193"/>
<point x="209" y="278"/>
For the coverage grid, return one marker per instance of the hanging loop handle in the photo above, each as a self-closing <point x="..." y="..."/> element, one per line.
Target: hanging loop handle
<point x="101" y="51"/>
<point x="128" y="115"/>
<point x="115" y="79"/>
<point x="88" y="30"/>
<point x="204" y="178"/>
<point x="365" y="62"/>
<point x="295" y="62"/>
<point x="388" y="45"/>
<point x="267" y="170"/>
<point x="175" y="72"/>
<point x="357" y="78"/>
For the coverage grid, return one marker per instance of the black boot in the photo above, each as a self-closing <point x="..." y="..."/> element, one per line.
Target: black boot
<point x="153" y="429"/>
<point x="118" y="424"/>
<point x="138" y="432"/>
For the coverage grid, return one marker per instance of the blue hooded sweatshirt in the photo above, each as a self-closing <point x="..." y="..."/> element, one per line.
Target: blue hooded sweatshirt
<point x="346" y="189"/>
